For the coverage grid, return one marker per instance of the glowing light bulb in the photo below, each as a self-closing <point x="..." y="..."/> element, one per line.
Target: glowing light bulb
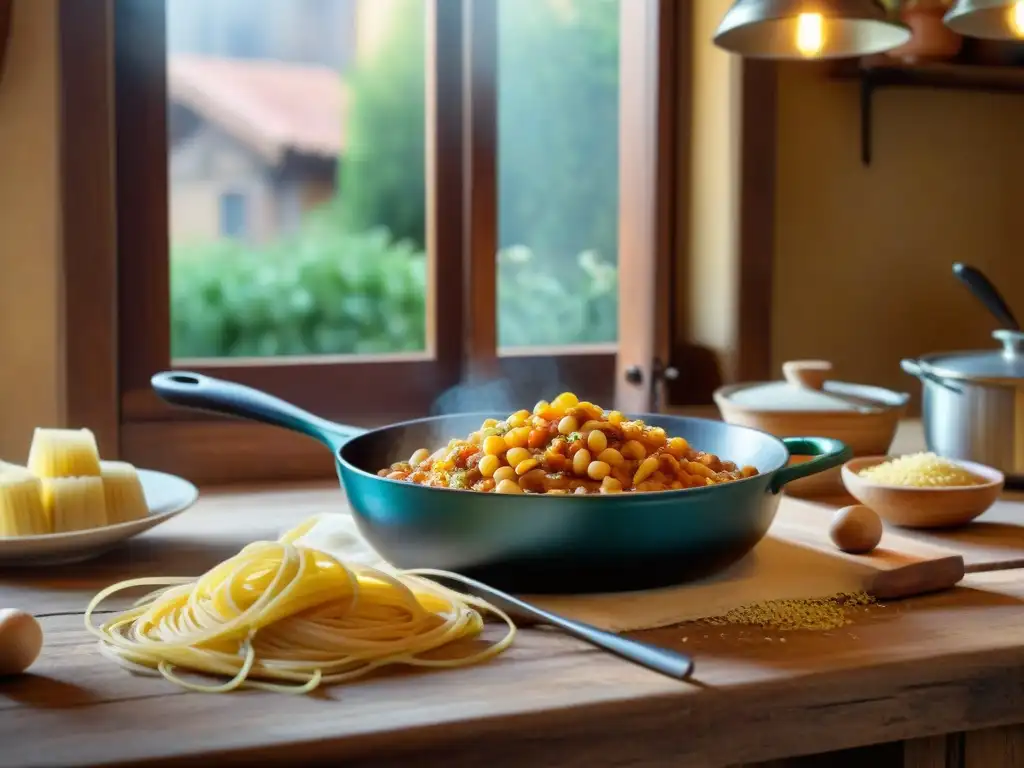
<point x="810" y="36"/>
<point x="1017" y="18"/>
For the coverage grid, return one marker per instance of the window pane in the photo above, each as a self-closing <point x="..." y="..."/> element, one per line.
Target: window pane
<point x="297" y="181"/>
<point x="558" y="126"/>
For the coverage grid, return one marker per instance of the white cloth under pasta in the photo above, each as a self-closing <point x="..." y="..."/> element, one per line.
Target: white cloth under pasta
<point x="774" y="570"/>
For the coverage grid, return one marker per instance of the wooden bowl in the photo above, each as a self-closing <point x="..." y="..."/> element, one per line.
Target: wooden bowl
<point x="912" y="507"/>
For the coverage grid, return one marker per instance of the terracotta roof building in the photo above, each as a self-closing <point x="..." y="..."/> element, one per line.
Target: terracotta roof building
<point x="253" y="144"/>
<point x="272" y="106"/>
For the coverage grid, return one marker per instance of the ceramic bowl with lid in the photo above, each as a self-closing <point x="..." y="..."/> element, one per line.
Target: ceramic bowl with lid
<point x="807" y="402"/>
<point x="973" y="403"/>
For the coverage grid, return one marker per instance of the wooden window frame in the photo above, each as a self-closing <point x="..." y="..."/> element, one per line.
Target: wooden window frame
<point x="116" y="312"/>
<point x="370" y="387"/>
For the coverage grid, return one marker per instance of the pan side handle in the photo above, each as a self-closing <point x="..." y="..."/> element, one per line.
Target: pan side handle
<point x="195" y="390"/>
<point x="827" y="453"/>
<point x="915" y="369"/>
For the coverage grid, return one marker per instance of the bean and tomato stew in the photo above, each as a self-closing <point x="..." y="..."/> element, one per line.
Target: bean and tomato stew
<point x="566" y="446"/>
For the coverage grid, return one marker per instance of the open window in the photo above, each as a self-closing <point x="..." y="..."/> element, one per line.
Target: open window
<point x="446" y="204"/>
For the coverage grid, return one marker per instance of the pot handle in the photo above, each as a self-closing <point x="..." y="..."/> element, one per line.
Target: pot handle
<point x="827" y="453"/>
<point x="914" y="368"/>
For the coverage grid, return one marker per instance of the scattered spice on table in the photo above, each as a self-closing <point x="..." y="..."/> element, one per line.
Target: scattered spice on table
<point x="815" y="613"/>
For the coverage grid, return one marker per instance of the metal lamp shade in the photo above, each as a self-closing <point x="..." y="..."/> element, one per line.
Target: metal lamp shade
<point x="771" y="29"/>
<point x="988" y="19"/>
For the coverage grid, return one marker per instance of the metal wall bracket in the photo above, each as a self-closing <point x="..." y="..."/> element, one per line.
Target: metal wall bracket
<point x="6" y="12"/>
<point x="941" y="76"/>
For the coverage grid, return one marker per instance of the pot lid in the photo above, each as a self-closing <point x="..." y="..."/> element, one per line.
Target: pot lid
<point x="994" y="365"/>
<point x="806" y="389"/>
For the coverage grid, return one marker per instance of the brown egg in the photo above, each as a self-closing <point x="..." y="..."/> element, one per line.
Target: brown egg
<point x="856" y="529"/>
<point x="21" y="639"/>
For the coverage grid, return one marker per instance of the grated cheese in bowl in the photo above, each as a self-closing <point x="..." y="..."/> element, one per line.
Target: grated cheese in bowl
<point x="920" y="470"/>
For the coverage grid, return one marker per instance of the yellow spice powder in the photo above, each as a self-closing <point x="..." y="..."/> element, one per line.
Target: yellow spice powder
<point x="815" y="613"/>
<point x="920" y="470"/>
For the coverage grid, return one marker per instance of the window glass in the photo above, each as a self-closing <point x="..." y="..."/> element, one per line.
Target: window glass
<point x="558" y="134"/>
<point x="316" y="111"/>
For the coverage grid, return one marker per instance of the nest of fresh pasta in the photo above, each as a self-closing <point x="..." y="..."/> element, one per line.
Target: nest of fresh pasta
<point x="567" y="446"/>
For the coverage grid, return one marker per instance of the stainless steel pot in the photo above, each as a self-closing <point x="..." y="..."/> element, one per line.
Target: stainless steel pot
<point x="973" y="403"/>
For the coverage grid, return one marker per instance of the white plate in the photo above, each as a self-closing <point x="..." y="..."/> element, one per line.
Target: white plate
<point x="166" y="496"/>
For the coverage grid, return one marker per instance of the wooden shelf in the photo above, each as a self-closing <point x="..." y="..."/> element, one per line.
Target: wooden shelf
<point x="956" y="77"/>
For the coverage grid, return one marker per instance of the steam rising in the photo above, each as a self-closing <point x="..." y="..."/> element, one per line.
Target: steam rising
<point x="485" y="396"/>
<point x="531" y="379"/>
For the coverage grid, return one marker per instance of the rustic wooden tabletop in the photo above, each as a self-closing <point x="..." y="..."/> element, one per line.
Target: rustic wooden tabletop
<point x="952" y="661"/>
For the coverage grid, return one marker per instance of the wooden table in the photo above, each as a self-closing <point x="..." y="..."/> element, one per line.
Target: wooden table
<point x="901" y="677"/>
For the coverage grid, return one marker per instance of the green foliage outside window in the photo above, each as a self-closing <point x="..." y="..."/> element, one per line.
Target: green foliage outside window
<point x="352" y="279"/>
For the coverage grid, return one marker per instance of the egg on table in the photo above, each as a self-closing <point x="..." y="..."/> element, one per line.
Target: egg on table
<point x="856" y="529"/>
<point x="21" y="640"/>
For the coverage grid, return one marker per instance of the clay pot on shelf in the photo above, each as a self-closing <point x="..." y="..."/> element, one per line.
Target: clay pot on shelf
<point x="807" y="403"/>
<point x="931" y="39"/>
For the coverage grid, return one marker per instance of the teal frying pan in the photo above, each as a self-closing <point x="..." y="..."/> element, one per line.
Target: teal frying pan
<point x="534" y="543"/>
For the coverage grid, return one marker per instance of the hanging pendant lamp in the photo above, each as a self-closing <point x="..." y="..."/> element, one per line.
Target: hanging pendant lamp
<point x="989" y="19"/>
<point x="809" y="29"/>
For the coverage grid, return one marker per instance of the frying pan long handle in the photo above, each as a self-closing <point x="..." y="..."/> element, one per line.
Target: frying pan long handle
<point x="987" y="294"/>
<point x="194" y="390"/>
<point x="668" y="662"/>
